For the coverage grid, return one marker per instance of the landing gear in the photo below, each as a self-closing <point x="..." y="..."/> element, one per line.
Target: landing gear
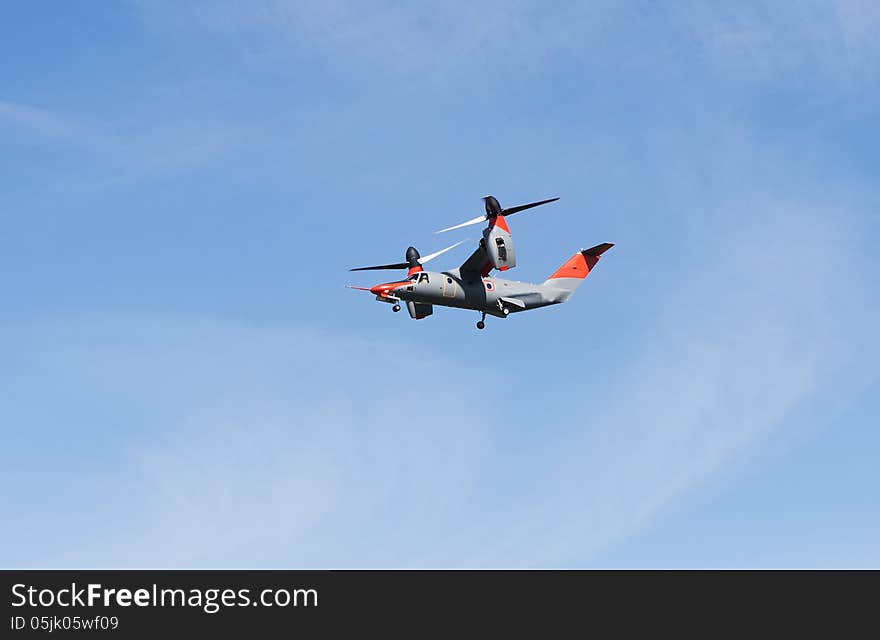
<point x="482" y="323"/>
<point x="503" y="309"/>
<point x="395" y="308"/>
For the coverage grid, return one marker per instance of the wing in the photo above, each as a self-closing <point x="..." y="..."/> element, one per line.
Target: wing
<point x="477" y="264"/>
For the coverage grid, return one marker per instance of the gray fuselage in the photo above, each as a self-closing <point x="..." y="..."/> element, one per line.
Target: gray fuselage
<point x="485" y="294"/>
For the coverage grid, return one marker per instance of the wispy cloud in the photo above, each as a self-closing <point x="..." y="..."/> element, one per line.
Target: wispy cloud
<point x="388" y="42"/>
<point x="738" y="348"/>
<point x="42" y="122"/>
<point x="836" y="40"/>
<point x="423" y="46"/>
<point x="248" y="446"/>
<point x="126" y="148"/>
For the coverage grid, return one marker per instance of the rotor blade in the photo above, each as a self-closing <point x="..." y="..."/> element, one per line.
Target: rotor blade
<point x="523" y="207"/>
<point x="476" y="220"/>
<point x="431" y="256"/>
<point x="398" y="265"/>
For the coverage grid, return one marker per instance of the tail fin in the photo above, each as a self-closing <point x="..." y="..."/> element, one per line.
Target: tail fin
<point x="570" y="275"/>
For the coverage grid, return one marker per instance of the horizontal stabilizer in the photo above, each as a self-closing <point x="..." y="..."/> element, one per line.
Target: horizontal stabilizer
<point x="516" y="302"/>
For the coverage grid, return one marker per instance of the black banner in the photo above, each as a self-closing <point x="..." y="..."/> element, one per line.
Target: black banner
<point x="140" y="603"/>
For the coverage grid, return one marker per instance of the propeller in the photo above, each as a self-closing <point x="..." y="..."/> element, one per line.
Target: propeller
<point x="413" y="259"/>
<point x="493" y="209"/>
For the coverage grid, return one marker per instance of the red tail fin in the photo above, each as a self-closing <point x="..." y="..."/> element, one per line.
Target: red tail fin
<point x="577" y="267"/>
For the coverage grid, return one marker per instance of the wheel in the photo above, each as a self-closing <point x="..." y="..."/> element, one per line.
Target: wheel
<point x="395" y="308"/>
<point x="481" y="325"/>
<point x="505" y="311"/>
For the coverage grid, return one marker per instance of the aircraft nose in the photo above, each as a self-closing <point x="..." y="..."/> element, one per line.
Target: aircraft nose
<point x="384" y="289"/>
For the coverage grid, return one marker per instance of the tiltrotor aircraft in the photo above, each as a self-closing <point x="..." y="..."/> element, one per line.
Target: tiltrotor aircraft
<point x="470" y="286"/>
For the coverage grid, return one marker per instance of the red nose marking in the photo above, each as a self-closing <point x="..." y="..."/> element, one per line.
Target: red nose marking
<point x="386" y="288"/>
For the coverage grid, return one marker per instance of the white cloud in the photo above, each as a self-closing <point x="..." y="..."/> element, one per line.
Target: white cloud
<point x="116" y="148"/>
<point x="285" y="447"/>
<point x="387" y="43"/>
<point x="427" y="47"/>
<point x="40" y="121"/>
<point x="832" y="42"/>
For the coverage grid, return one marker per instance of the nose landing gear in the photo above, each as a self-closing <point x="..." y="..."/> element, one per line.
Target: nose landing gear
<point x="395" y="308"/>
<point x="482" y="322"/>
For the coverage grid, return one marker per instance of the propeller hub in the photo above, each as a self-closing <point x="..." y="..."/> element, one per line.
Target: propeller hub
<point x="493" y="207"/>
<point x="412" y="257"/>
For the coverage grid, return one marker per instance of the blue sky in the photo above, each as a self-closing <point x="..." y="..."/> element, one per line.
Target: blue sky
<point x="186" y="382"/>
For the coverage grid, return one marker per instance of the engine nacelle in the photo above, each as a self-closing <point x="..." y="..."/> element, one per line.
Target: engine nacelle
<point x="419" y="310"/>
<point x="499" y="246"/>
